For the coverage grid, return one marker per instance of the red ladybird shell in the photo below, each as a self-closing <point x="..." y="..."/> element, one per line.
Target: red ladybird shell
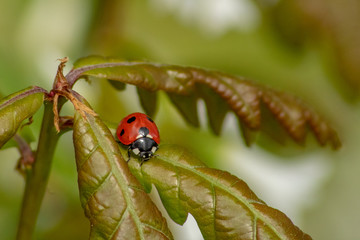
<point x="129" y="127"/>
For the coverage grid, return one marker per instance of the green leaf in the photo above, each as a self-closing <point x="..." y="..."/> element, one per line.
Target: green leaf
<point x="216" y="108"/>
<point x="187" y="106"/>
<point x="247" y="133"/>
<point x="117" y="85"/>
<point x="26" y="133"/>
<point x="222" y="204"/>
<point x="148" y="101"/>
<point x="185" y="85"/>
<point x="17" y="107"/>
<point x="112" y="198"/>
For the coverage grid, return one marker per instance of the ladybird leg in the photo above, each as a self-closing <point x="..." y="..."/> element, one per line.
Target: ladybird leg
<point x="143" y="160"/>
<point x="129" y="154"/>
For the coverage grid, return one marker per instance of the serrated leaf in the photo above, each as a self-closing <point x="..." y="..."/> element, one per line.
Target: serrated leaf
<point x="187" y="106"/>
<point x="117" y="85"/>
<point x="295" y="118"/>
<point x="112" y="198"/>
<point x="216" y="108"/>
<point x="289" y="113"/>
<point x="273" y="128"/>
<point x="249" y="135"/>
<point x="243" y="97"/>
<point x="17" y="107"/>
<point x="323" y="132"/>
<point x="222" y="204"/>
<point x="148" y="101"/>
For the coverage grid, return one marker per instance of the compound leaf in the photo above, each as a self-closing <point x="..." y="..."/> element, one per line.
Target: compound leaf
<point x="222" y="204"/>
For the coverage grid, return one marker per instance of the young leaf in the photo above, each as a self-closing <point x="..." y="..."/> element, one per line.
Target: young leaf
<point x="185" y="85"/>
<point x="25" y="133"/>
<point x="247" y="133"/>
<point x="148" y="101"/>
<point x="17" y="107"/>
<point x="117" y="85"/>
<point x="216" y="108"/>
<point x="222" y="204"/>
<point x="112" y="198"/>
<point x="296" y="118"/>
<point x="187" y="107"/>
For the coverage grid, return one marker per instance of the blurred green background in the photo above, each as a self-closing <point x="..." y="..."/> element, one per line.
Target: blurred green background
<point x="306" y="48"/>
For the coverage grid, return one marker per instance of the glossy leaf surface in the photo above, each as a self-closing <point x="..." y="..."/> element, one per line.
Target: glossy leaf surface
<point x="112" y="198"/>
<point x="17" y="107"/>
<point x="222" y="204"/>
<point x="185" y="85"/>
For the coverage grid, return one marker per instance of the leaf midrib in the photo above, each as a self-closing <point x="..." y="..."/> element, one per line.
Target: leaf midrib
<point x="119" y="177"/>
<point x="16" y="98"/>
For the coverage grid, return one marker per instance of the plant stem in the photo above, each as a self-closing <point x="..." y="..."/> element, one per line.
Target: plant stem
<point x="37" y="178"/>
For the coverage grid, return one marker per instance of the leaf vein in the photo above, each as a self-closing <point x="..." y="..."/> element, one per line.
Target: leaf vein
<point x="218" y="184"/>
<point x="121" y="220"/>
<point x="97" y="188"/>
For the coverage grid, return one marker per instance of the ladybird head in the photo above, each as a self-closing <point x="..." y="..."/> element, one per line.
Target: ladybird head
<point x="144" y="147"/>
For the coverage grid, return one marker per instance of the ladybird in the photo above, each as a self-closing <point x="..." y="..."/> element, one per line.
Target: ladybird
<point x="139" y="132"/>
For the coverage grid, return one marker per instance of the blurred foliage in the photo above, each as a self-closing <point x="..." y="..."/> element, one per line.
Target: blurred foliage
<point x="331" y="25"/>
<point x="309" y="48"/>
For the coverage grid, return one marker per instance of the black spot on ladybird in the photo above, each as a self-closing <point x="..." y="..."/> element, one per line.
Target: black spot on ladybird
<point x="130" y="120"/>
<point x="149" y="119"/>
<point x="122" y="132"/>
